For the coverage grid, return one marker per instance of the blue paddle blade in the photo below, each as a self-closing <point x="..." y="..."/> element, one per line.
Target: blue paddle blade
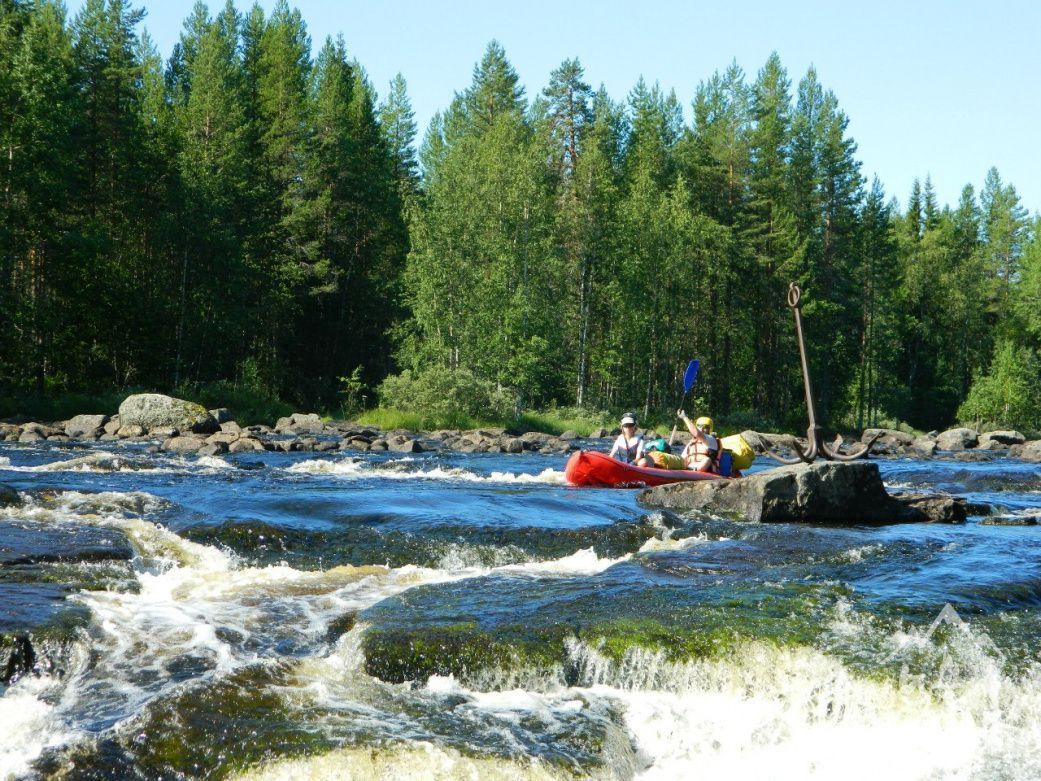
<point x="690" y="375"/>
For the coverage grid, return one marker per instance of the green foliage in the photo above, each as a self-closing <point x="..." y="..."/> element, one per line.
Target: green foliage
<point x="439" y="393"/>
<point x="248" y="405"/>
<point x="557" y="420"/>
<point x="248" y="220"/>
<point x="352" y="394"/>
<point x="1007" y="395"/>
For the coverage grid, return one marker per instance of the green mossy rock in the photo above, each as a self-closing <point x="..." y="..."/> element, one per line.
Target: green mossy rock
<point x="156" y="411"/>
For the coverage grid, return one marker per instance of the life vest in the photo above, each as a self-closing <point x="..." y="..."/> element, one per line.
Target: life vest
<point x="696" y="448"/>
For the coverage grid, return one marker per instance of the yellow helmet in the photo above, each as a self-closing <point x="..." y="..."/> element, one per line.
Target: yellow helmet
<point x="704" y="422"/>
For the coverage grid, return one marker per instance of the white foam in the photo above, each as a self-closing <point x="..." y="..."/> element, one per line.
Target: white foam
<point x="416" y="760"/>
<point x="320" y="466"/>
<point x="791" y="713"/>
<point x="28" y="725"/>
<point x="667" y="543"/>
<point x="853" y="555"/>
<point x="213" y="462"/>
<point x="581" y="562"/>
<point x="763" y="711"/>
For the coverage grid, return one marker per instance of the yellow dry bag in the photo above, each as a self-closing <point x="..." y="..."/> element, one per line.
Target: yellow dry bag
<point x="741" y="452"/>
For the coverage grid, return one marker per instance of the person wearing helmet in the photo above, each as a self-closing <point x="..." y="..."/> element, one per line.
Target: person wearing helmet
<point x="701" y="453"/>
<point x="628" y="442"/>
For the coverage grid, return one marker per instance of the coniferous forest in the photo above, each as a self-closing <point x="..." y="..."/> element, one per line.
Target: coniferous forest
<point x="251" y="212"/>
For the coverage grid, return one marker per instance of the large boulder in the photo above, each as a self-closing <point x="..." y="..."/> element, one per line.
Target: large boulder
<point x="155" y="411"/>
<point x="86" y="426"/>
<point x="1002" y="439"/>
<point x="1028" y="451"/>
<point x="957" y="439"/>
<point x="821" y="492"/>
<point x="923" y="447"/>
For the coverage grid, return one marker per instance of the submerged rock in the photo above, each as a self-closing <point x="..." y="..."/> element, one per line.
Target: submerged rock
<point x="1012" y="520"/>
<point x="8" y="496"/>
<point x="40" y="565"/>
<point x="822" y="492"/>
<point x="101" y="461"/>
<point x="155" y="411"/>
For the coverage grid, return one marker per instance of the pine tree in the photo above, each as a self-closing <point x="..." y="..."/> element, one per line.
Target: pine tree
<point x="213" y="166"/>
<point x="568" y="118"/>
<point x="1005" y="232"/>
<point x="282" y="72"/>
<point x="399" y="132"/>
<point x="769" y="228"/>
<point x="39" y="175"/>
<point x="877" y="381"/>
<point x="826" y="192"/>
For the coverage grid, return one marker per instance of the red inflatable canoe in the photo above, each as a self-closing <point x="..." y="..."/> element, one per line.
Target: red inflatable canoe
<point x="589" y="468"/>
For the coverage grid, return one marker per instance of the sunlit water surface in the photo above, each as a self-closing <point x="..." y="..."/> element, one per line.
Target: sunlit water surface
<point x="470" y="616"/>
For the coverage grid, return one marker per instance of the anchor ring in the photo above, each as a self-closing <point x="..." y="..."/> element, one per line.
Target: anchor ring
<point x="794" y="294"/>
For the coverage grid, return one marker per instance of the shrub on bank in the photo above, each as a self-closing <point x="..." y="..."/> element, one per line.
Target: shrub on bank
<point x="247" y="405"/>
<point x="439" y="393"/>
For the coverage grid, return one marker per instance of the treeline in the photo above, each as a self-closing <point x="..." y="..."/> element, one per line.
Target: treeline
<point x="582" y="249"/>
<point x="234" y="213"/>
<point x="242" y="213"/>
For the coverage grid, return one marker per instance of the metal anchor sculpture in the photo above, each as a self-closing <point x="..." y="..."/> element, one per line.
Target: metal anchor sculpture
<point x="816" y="446"/>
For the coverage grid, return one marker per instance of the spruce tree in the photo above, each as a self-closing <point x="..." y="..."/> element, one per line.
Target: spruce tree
<point x="397" y="123"/>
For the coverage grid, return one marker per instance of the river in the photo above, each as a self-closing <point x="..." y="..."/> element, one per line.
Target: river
<point x="313" y="615"/>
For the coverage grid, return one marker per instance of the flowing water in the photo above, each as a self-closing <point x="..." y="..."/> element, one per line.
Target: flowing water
<point x="297" y="616"/>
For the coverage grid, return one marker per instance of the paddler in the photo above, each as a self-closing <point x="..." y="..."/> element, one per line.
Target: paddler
<point x="627" y="445"/>
<point x="701" y="452"/>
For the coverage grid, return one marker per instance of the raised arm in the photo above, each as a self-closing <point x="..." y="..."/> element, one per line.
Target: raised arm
<point x="689" y="424"/>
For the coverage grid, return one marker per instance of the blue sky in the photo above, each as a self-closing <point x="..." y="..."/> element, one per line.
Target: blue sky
<point x="947" y="89"/>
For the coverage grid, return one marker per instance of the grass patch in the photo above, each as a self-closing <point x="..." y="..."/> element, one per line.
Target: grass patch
<point x="561" y="419"/>
<point x="552" y="421"/>
<point x="388" y="418"/>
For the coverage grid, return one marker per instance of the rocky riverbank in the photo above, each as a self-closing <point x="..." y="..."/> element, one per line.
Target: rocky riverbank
<point x="178" y="426"/>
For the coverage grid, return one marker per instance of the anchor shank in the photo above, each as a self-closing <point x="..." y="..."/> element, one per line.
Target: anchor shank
<point x="805" y="367"/>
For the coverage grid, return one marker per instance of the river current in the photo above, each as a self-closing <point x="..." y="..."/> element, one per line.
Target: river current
<point x="312" y="615"/>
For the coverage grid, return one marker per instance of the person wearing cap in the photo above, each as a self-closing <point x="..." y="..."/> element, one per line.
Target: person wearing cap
<point x="628" y="442"/>
<point x="701" y="452"/>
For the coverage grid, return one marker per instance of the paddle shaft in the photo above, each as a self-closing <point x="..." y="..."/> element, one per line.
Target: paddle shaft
<point x="672" y="436"/>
